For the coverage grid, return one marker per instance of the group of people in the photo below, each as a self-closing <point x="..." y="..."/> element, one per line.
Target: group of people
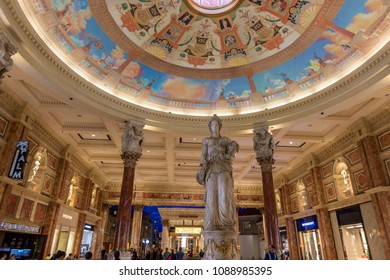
<point x="4" y="256"/>
<point x="271" y="254"/>
<point x="61" y="255"/>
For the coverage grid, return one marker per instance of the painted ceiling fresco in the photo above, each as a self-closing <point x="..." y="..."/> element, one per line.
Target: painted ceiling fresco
<point x="175" y="34"/>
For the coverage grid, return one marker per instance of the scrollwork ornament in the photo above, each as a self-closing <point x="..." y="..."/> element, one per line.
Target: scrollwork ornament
<point x="223" y="248"/>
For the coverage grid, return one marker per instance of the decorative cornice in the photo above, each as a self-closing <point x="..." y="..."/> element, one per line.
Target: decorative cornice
<point x="41" y="131"/>
<point x="337" y="146"/>
<point x="345" y="88"/>
<point x="8" y="103"/>
<point x="381" y="120"/>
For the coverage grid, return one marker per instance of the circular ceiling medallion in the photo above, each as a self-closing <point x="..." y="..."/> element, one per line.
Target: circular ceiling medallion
<point x="212" y="7"/>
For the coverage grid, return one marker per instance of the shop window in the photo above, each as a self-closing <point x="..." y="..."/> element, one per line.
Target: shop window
<point x="343" y="180"/>
<point x="37" y="170"/>
<point x="352" y="233"/>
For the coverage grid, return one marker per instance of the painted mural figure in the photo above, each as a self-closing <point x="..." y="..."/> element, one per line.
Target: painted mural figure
<point x="216" y="175"/>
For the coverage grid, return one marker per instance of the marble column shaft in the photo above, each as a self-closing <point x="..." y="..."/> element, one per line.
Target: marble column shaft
<point x="123" y="221"/>
<point x="270" y="212"/>
<point x="136" y="227"/>
<point x="327" y="240"/>
<point x="318" y="185"/>
<point x="381" y="205"/>
<point x="372" y="164"/>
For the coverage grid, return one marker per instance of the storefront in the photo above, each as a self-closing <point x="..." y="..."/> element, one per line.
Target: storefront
<point x="284" y="241"/>
<point x="352" y="233"/>
<point x="23" y="241"/>
<point x="86" y="242"/>
<point x="65" y="231"/>
<point x="309" y="239"/>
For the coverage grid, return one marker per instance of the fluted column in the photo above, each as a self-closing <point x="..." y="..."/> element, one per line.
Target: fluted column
<point x="132" y="142"/>
<point x="165" y="234"/>
<point x="136" y="230"/>
<point x="263" y="145"/>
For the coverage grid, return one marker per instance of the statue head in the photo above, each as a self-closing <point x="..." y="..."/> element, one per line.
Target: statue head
<point x="217" y="120"/>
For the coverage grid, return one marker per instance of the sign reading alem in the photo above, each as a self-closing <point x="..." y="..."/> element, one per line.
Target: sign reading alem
<point x="20" y="159"/>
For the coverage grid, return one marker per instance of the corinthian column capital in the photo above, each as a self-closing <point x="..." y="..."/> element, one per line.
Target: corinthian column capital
<point x="130" y="158"/>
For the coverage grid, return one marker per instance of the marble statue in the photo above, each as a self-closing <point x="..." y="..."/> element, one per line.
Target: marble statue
<point x="6" y="51"/>
<point x="132" y="138"/>
<point x="216" y="175"/>
<point x="263" y="143"/>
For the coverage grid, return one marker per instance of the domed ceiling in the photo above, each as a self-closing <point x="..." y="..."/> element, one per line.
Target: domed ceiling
<point x="197" y="56"/>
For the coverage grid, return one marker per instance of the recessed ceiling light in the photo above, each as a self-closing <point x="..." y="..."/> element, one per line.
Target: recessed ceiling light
<point x="148" y="151"/>
<point x="291" y="142"/>
<point x="93" y="135"/>
<point x="194" y="138"/>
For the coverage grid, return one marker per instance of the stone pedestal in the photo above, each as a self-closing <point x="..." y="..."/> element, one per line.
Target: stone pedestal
<point x="221" y="245"/>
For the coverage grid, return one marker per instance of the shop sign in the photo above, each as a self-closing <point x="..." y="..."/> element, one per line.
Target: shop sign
<point x="188" y="230"/>
<point x="307" y="223"/>
<point x="19" y="227"/>
<point x="20" y="159"/>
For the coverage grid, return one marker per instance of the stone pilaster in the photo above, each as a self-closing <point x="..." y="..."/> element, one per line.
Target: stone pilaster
<point x="49" y="225"/>
<point x="381" y="204"/>
<point x="263" y="146"/>
<point x="79" y="234"/>
<point x="292" y="238"/>
<point x="136" y="228"/>
<point x="372" y="164"/>
<point x="327" y="240"/>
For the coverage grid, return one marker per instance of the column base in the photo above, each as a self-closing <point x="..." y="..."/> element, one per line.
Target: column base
<point x="221" y="245"/>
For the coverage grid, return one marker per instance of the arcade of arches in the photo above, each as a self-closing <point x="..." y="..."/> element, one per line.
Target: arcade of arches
<point x="104" y="105"/>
